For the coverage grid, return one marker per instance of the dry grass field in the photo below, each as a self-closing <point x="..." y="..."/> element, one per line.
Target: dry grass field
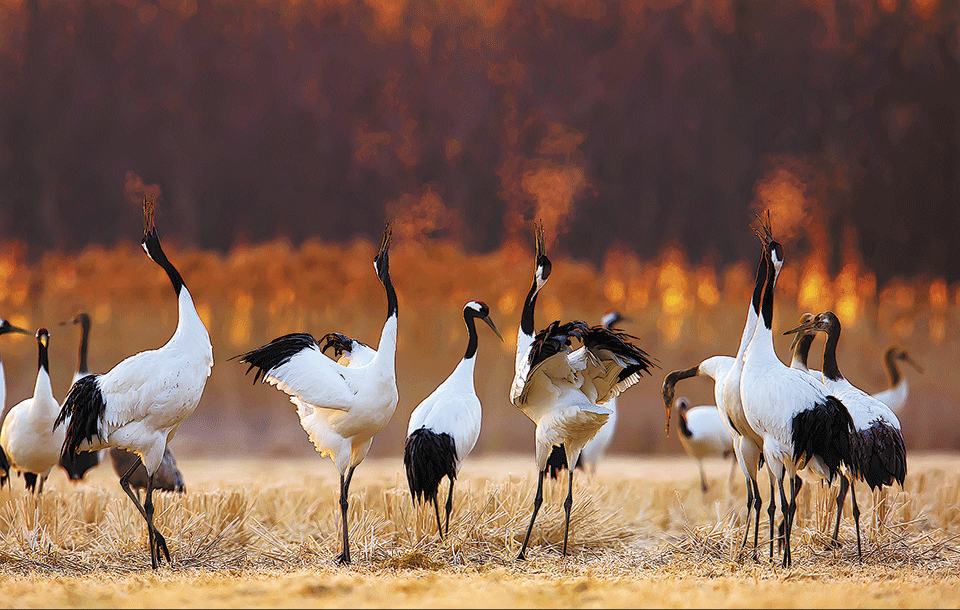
<point x="264" y="533"/>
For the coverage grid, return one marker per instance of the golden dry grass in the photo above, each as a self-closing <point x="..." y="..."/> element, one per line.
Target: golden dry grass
<point x="255" y="533"/>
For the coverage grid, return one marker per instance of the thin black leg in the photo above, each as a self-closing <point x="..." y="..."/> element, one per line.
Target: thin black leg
<point x="158" y="544"/>
<point x="757" y="505"/>
<point x="449" y="506"/>
<point x="785" y="512"/>
<point x="537" y="501"/>
<point x="772" y="514"/>
<point x="856" y="519"/>
<point x="436" y="509"/>
<point x="344" y="557"/>
<point x="125" y="486"/>
<point x="746" y="533"/>
<point x="567" y="505"/>
<point x="841" y="495"/>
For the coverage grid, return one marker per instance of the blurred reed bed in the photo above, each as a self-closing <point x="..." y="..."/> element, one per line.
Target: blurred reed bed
<point x="680" y="312"/>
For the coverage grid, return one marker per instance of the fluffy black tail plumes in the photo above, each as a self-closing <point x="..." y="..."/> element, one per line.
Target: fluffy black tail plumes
<point x="824" y="431"/>
<point x="84" y="406"/>
<point x="427" y="458"/>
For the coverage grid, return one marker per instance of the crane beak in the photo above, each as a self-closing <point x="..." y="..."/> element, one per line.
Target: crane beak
<point x="387" y="238"/>
<point x="10" y="328"/>
<point x="667" y="390"/>
<point x="541" y="246"/>
<point x="907" y="358"/>
<point x="489" y="321"/>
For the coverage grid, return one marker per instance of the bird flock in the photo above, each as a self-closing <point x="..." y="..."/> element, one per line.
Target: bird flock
<point x="788" y="419"/>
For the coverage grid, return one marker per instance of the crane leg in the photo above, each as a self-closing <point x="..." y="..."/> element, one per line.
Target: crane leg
<point x="567" y="505"/>
<point x="757" y="505"/>
<point x="436" y="510"/>
<point x="344" y="556"/>
<point x="537" y="501"/>
<point x="841" y="495"/>
<point x="856" y="519"/>
<point x="746" y="534"/>
<point x="449" y="506"/>
<point x="158" y="544"/>
<point x="772" y="513"/>
<point x="785" y="511"/>
<point x="703" y="478"/>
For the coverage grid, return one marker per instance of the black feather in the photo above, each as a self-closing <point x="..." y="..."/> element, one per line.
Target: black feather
<point x="4" y="467"/>
<point x="557" y="461"/>
<point x="824" y="431"/>
<point x="276" y="353"/>
<point x="554" y="339"/>
<point x="30" y="481"/>
<point x="77" y="464"/>
<point x="621" y="344"/>
<point x="85" y="407"/>
<point x="427" y="458"/>
<point x="880" y="455"/>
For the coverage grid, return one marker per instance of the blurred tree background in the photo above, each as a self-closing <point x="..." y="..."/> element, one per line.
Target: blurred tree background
<point x="639" y="124"/>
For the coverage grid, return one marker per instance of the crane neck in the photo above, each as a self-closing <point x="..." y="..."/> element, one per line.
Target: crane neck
<point x="831" y="370"/>
<point x="470" y="319"/>
<point x="801" y="353"/>
<point x="753" y="312"/>
<point x="82" y="367"/>
<point x="529" y="304"/>
<point x="893" y="371"/>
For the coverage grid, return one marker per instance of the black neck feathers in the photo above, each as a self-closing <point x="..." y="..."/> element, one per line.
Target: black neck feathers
<point x="767" y="305"/>
<point x="391" y="295"/>
<point x="893" y="371"/>
<point x="761" y="279"/>
<point x="470" y="318"/>
<point x="43" y="360"/>
<point x="802" y="350"/>
<point x="526" y="316"/>
<point x="84" y="320"/>
<point x="830" y="368"/>
<point x="151" y="244"/>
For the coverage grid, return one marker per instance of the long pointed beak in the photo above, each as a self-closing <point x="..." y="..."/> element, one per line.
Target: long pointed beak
<point x="489" y="321"/>
<point x="541" y="246"/>
<point x="801" y="331"/>
<point x="913" y="362"/>
<point x="667" y="392"/>
<point x="387" y="237"/>
<point x="16" y="329"/>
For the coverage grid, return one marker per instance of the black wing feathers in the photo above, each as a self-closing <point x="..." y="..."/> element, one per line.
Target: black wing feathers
<point x="427" y="458"/>
<point x="85" y="407"/>
<point x="276" y="353"/>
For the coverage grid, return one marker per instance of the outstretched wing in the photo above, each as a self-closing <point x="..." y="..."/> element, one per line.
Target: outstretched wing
<point x="617" y="363"/>
<point x="296" y="365"/>
<point x="552" y="354"/>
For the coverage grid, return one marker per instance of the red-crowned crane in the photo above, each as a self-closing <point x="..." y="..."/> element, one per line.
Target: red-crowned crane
<point x="6" y="327"/>
<point x="139" y="404"/>
<point x="76" y="465"/>
<point x="341" y="406"/>
<point x="703" y="433"/>
<point x="725" y="372"/>
<point x="29" y="437"/>
<point x="879" y="455"/>
<point x="444" y="427"/>
<point x="799" y="422"/>
<point x="564" y="375"/>
<point x="592" y="452"/>
<point x="896" y="395"/>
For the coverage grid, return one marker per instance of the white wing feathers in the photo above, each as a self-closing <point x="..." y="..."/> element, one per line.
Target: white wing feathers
<point x="316" y="380"/>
